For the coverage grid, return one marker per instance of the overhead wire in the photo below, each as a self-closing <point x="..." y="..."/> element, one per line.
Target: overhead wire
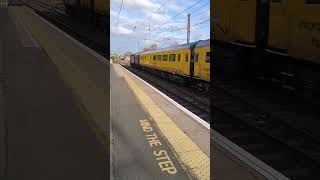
<point x="196" y="24"/>
<point x="178" y="29"/>
<point x="196" y="10"/>
<point x="180" y="13"/>
<point x="161" y="6"/>
<point x="200" y="28"/>
<point x="200" y="22"/>
<point x="119" y="14"/>
<point x="198" y="15"/>
<point x="156" y="11"/>
<point x="199" y="12"/>
<point x="161" y="31"/>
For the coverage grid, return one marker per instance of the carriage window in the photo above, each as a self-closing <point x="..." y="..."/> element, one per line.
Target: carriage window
<point x="196" y="58"/>
<point x="208" y="57"/>
<point x="165" y="57"/>
<point x="154" y="57"/>
<point x="312" y="1"/>
<point x="178" y="57"/>
<point x="186" y="60"/>
<point x="172" y="57"/>
<point x="159" y="58"/>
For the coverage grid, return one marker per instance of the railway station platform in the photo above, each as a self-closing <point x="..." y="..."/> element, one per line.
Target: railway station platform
<point x="56" y="104"/>
<point x="147" y="140"/>
<point x="184" y="137"/>
<point x="53" y="110"/>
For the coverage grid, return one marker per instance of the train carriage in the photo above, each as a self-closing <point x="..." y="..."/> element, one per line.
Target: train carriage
<point x="182" y="63"/>
<point x="132" y="59"/>
<point x="278" y="38"/>
<point x="304" y="23"/>
<point x="202" y="60"/>
<point x="175" y="59"/>
<point x="285" y="27"/>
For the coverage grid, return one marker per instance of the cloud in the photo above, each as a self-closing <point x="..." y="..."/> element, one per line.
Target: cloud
<point x="145" y="4"/>
<point x="174" y="8"/>
<point x="121" y="30"/>
<point x="113" y="13"/>
<point x="138" y="15"/>
<point x="137" y="4"/>
<point x="158" y="18"/>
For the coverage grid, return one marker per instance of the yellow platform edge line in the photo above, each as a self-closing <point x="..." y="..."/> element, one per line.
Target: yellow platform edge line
<point x="187" y="152"/>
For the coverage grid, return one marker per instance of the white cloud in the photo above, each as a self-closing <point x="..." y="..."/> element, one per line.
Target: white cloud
<point x="112" y="13"/>
<point x="158" y="18"/>
<point x="121" y="30"/>
<point x="137" y="4"/>
<point x="146" y="4"/>
<point x="138" y="15"/>
<point x="174" y="8"/>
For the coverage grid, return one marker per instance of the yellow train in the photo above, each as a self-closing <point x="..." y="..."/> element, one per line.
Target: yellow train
<point x="280" y="37"/>
<point x="182" y="62"/>
<point x="97" y="7"/>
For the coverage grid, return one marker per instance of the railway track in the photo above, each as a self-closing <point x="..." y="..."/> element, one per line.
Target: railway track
<point x="199" y="105"/>
<point x="291" y="152"/>
<point x="56" y="16"/>
<point x="284" y="148"/>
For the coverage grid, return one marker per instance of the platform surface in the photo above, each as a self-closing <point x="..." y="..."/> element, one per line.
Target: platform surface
<point x="133" y="156"/>
<point x="49" y="137"/>
<point x="84" y="71"/>
<point x="126" y="107"/>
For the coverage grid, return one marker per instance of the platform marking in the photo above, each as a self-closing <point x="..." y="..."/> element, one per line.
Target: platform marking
<point x="188" y="153"/>
<point x="161" y="155"/>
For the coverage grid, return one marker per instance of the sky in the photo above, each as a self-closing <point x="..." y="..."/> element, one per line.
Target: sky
<point x="164" y="22"/>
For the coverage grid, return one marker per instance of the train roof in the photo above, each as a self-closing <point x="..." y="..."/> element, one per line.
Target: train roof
<point x="171" y="48"/>
<point x="203" y="43"/>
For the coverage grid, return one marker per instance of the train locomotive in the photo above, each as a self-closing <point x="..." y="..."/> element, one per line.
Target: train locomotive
<point x="270" y="38"/>
<point x="182" y="63"/>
